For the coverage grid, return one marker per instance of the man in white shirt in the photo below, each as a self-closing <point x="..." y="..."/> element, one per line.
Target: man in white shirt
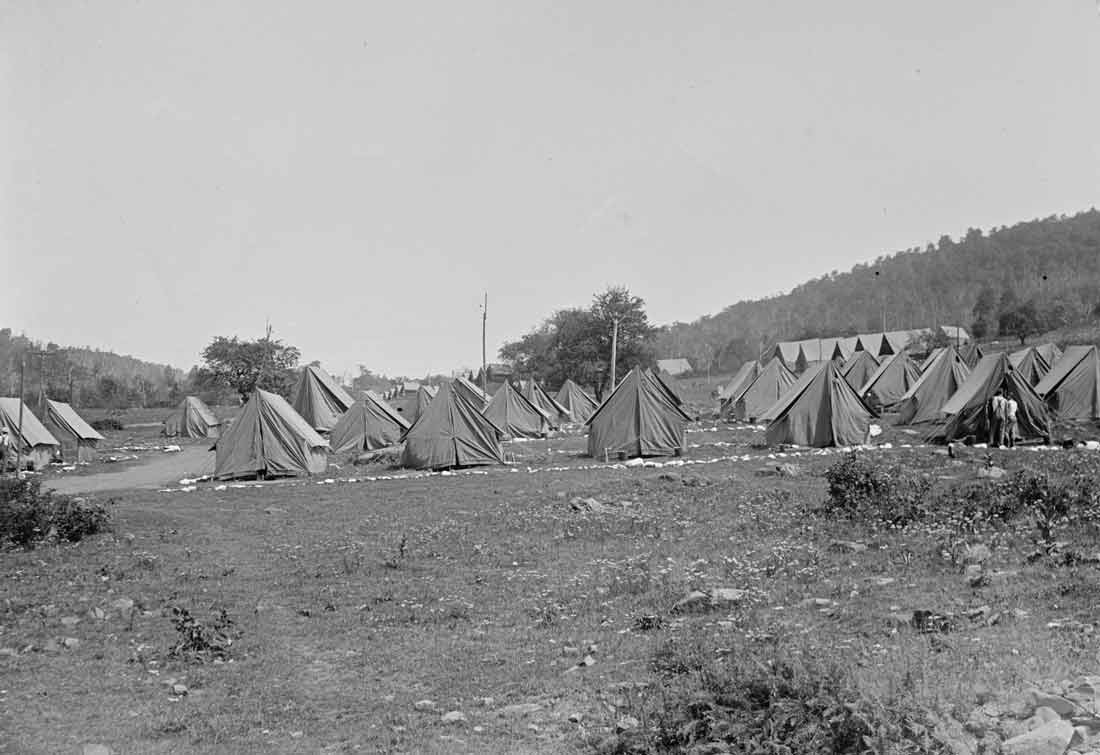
<point x="1010" y="422"/>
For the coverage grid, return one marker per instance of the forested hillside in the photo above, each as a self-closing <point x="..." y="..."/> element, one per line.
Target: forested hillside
<point x="84" y="376"/>
<point x="1042" y="274"/>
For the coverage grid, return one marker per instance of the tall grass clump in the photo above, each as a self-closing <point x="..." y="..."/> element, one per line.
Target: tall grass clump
<point x="863" y="488"/>
<point x="29" y="515"/>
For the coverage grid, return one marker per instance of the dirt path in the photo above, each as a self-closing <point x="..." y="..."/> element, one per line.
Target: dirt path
<point x="156" y="472"/>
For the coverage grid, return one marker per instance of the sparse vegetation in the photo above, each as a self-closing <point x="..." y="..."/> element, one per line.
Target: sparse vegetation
<point x="29" y="515"/>
<point x="864" y="488"/>
<point x="108" y="424"/>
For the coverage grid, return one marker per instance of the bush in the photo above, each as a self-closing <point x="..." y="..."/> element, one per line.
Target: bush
<point x="29" y="515"/>
<point x="107" y="423"/>
<point x="861" y="488"/>
<point x="202" y="640"/>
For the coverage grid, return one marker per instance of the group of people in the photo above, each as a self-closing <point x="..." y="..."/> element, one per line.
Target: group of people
<point x="1002" y="420"/>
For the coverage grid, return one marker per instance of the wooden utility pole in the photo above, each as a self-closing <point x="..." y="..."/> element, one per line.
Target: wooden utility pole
<point x="19" y="434"/>
<point x="484" y="360"/>
<point x="614" y="349"/>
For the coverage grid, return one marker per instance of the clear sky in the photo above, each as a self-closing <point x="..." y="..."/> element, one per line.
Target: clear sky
<point x="360" y="172"/>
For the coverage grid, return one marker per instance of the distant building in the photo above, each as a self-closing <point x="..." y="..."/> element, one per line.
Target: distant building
<point x="674" y="367"/>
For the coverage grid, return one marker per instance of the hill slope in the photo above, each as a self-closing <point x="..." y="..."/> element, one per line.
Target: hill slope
<point x="1053" y="262"/>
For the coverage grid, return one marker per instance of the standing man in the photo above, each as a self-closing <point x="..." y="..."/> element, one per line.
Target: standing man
<point x="1010" y="422"/>
<point x="5" y="449"/>
<point x="997" y="419"/>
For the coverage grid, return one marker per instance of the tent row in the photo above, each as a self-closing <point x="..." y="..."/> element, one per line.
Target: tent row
<point x="62" y="435"/>
<point x="799" y="354"/>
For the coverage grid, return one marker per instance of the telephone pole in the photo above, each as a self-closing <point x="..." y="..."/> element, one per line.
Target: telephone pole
<point x="484" y="361"/>
<point x="19" y="434"/>
<point x="614" y="349"/>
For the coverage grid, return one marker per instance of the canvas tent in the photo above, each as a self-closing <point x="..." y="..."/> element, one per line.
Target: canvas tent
<point x="891" y="380"/>
<point x="555" y="413"/>
<point x="759" y="395"/>
<point x="192" y="419"/>
<point x="820" y="410"/>
<point x="968" y="410"/>
<point x="515" y="414"/>
<point x="424" y="396"/>
<point x="971" y="353"/>
<point x="39" y="445"/>
<point x="1050" y="352"/>
<point x="669" y="384"/>
<point x="924" y="400"/>
<point x="269" y="439"/>
<point x="744" y="375"/>
<point x="77" y="438"/>
<point x="370" y="424"/>
<point x="1030" y="364"/>
<point x="473" y="394"/>
<point x="319" y="399"/>
<point x="452" y="433"/>
<point x="1072" y="387"/>
<point x="859" y="368"/>
<point x="578" y="403"/>
<point x="928" y="360"/>
<point x="677" y="366"/>
<point x="786" y="352"/>
<point x="637" y="419"/>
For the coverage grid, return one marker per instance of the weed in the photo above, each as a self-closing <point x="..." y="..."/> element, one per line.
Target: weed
<point x="202" y="640"/>
<point x="400" y="553"/>
<point x="861" y="488"/>
<point x="29" y="515"/>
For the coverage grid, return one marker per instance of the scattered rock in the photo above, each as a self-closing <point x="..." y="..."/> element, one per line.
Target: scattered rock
<point x="977" y="554"/>
<point x="722" y="597"/>
<point x="71" y="643"/>
<point x="974" y="575"/>
<point x="97" y="613"/>
<point x="424" y="705"/>
<point x="847" y="546"/>
<point x="122" y="604"/>
<point x="179" y="689"/>
<point x="1059" y="706"/>
<point x="928" y="622"/>
<point x="484" y="702"/>
<point x="718" y="597"/>
<point x="575" y="718"/>
<point x="70" y="621"/>
<point x="1049" y="739"/>
<point x="696" y="600"/>
<point x="519" y="710"/>
<point x="454" y="717"/>
<point x="993" y="473"/>
<point x="627" y="723"/>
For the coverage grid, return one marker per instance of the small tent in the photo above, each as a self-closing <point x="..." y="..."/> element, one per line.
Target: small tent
<point x="670" y="385"/>
<point x="1030" y="364"/>
<point x="269" y="439"/>
<point x="759" y="395"/>
<point x="1049" y="352"/>
<point x="370" y="424"/>
<point x="938" y="383"/>
<point x="78" y="439"/>
<point x="744" y="375"/>
<point x="1072" y="387"/>
<point x="639" y="418"/>
<point x="473" y="394"/>
<point x="424" y="396"/>
<point x="859" y="368"/>
<point x="894" y="376"/>
<point x="319" y="399"/>
<point x="819" y="410"/>
<point x="557" y="414"/>
<point x="578" y="403"/>
<point x="968" y="410"/>
<point x="452" y="433"/>
<point x="39" y="445"/>
<point x="192" y="419"/>
<point x="928" y="360"/>
<point x="515" y="414"/>
<point x="971" y="353"/>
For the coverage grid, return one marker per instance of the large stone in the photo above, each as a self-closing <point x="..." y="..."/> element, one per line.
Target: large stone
<point x="847" y="546"/>
<point x="1060" y="705"/>
<point x="518" y="710"/>
<point x="696" y="600"/>
<point x="424" y="705"/>
<point x="721" y="597"/>
<point x="453" y="717"/>
<point x="1049" y="739"/>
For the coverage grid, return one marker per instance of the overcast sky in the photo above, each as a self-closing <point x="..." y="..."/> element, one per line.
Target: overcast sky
<point x="360" y="172"/>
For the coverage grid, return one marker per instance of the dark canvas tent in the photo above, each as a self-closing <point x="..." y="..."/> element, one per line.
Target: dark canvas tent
<point x="319" y="399"/>
<point x="971" y="353"/>
<point x="894" y="376"/>
<point x="820" y="410"/>
<point x="192" y="419"/>
<point x="473" y="394"/>
<point x="938" y="383"/>
<point x="968" y="410"/>
<point x="515" y="414"/>
<point x="859" y="368"/>
<point x="670" y="384"/>
<point x="269" y="439"/>
<point x="1049" y="352"/>
<point x="39" y="445"/>
<point x="1030" y="364"/>
<point x="452" y="433"/>
<point x="759" y="395"/>
<point x="555" y="413"/>
<point x="744" y="375"/>
<point x="370" y="424"/>
<point x="424" y="396"/>
<point x="578" y="403"/>
<point x="78" y="439"/>
<point x="637" y="419"/>
<point x="1072" y="387"/>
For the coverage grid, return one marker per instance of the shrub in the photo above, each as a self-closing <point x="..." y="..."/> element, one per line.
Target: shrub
<point x="202" y="640"/>
<point x="862" y="488"/>
<point x="29" y="515"/>
<point x="107" y="423"/>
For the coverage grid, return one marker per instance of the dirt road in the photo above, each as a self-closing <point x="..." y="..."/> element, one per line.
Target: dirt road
<point x="155" y="472"/>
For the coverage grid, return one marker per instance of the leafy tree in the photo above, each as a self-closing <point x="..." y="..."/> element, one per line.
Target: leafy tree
<point x="1020" y="322"/>
<point x="635" y="334"/>
<point x="246" y="365"/>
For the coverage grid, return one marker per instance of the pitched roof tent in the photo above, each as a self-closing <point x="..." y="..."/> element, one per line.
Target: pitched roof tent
<point x="1030" y="363"/>
<point x="820" y="410"/>
<point x="1072" y="387"/>
<point x="968" y="409"/>
<point x="891" y="380"/>
<point x="859" y="368"/>
<point x="971" y="353"/>
<point x="515" y="414"/>
<point x="759" y="395"/>
<point x="471" y="392"/>
<point x="555" y="413"/>
<point x="370" y="424"/>
<point x="192" y="419"/>
<point x="271" y="439"/>
<point x="674" y="367"/>
<point x="424" y="396"/>
<point x="39" y="444"/>
<point x="579" y="404"/>
<point x="639" y="418"/>
<point x="744" y="375"/>
<point x="938" y="383"/>
<point x="77" y="438"/>
<point x="452" y="433"/>
<point x="319" y="399"/>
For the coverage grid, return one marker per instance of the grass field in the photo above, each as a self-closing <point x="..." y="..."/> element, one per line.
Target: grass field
<point x="487" y="593"/>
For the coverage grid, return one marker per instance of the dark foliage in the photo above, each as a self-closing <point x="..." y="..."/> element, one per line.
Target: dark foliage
<point x="862" y="488"/>
<point x="202" y="640"/>
<point x="106" y="424"/>
<point x="28" y="515"/>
